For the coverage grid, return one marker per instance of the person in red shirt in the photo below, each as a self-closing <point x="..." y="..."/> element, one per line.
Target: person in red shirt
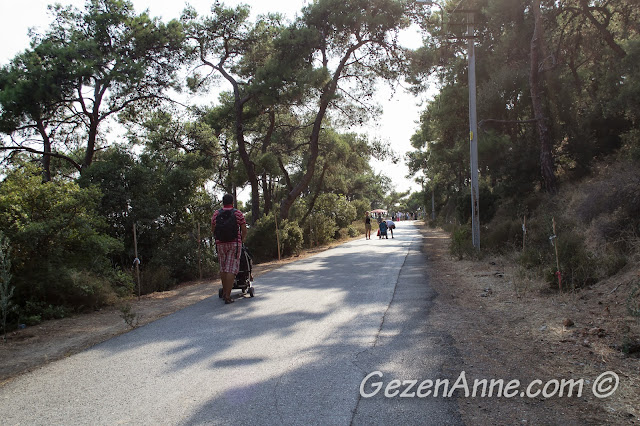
<point x="229" y="251"/>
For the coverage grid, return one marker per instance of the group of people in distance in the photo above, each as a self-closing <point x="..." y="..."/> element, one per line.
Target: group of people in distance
<point x="384" y="226"/>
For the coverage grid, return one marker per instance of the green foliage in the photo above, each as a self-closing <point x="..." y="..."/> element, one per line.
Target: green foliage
<point x="87" y="291"/>
<point x="156" y="278"/>
<point x="125" y="61"/>
<point x="319" y="229"/>
<point x="131" y="318"/>
<point x="487" y="205"/>
<point x="262" y="242"/>
<point x="291" y="238"/>
<point x="350" y="231"/>
<point x="33" y="313"/>
<point x="6" y="290"/>
<point x="502" y="235"/>
<point x="161" y="193"/>
<point x="590" y="105"/>
<point x="56" y="235"/>
<point x="578" y="266"/>
<point x="461" y="244"/>
<point x="361" y="207"/>
<point x="336" y="207"/>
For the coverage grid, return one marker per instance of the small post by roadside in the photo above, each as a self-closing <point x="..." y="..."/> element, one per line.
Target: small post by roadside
<point x="554" y="239"/>
<point x="136" y="261"/>
<point x="199" y="253"/>
<point x="524" y="232"/>
<point x="275" y="217"/>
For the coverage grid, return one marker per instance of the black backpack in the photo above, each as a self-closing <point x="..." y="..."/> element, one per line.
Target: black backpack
<point x="226" y="226"/>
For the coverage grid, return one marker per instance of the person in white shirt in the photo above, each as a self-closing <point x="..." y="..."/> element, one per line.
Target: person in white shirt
<point x="391" y="225"/>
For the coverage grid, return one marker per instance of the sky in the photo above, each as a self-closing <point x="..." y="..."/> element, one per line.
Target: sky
<point x="400" y="112"/>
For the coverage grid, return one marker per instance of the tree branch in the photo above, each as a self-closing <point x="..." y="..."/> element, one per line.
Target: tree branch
<point x="35" y="151"/>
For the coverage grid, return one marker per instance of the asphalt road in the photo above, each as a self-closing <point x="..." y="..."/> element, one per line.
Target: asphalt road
<point x="296" y="354"/>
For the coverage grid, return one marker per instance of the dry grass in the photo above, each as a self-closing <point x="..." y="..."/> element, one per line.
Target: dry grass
<point x="507" y="324"/>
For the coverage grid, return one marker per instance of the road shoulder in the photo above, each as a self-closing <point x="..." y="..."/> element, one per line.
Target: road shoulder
<point x="504" y="334"/>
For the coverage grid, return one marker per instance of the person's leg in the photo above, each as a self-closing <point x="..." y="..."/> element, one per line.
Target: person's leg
<point x="227" y="284"/>
<point x="226" y="258"/>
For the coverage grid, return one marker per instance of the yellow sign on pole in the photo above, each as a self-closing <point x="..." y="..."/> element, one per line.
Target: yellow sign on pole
<point x="470" y="136"/>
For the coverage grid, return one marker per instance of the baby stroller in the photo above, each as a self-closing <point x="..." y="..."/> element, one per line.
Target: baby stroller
<point x="383" y="230"/>
<point x="244" y="277"/>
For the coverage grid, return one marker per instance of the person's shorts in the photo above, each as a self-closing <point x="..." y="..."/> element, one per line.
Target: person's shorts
<point x="229" y="257"/>
<point x="367" y="226"/>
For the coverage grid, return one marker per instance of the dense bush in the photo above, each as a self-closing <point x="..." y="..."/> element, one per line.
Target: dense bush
<point x="488" y="205"/>
<point x="156" y="278"/>
<point x="166" y="202"/>
<point x="502" y="235"/>
<point x="361" y="206"/>
<point x="319" y="229"/>
<point x="591" y="219"/>
<point x="262" y="242"/>
<point x="181" y="254"/>
<point x="461" y="243"/>
<point x="57" y="240"/>
<point x="336" y="207"/>
<point x="350" y="231"/>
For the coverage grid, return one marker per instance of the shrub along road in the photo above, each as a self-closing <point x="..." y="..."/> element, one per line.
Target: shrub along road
<point x="297" y="353"/>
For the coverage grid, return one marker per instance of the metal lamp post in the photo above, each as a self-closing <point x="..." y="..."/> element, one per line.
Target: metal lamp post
<point x="473" y="121"/>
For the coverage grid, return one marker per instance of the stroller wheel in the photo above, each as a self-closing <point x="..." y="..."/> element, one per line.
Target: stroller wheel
<point x="220" y="293"/>
<point x="251" y="291"/>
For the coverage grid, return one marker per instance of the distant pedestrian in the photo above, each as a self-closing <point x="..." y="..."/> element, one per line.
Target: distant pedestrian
<point x="391" y="225"/>
<point x="367" y="225"/>
<point x="383" y="229"/>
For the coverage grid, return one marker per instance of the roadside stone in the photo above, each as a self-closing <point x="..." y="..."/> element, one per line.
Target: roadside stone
<point x="568" y="322"/>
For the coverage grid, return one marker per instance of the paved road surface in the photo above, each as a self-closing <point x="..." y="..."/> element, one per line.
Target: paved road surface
<point x="295" y="354"/>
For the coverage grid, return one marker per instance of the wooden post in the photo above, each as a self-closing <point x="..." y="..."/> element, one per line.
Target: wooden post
<point x="555" y="244"/>
<point x="137" y="260"/>
<point x="275" y="217"/>
<point x="199" y="253"/>
<point x="524" y="232"/>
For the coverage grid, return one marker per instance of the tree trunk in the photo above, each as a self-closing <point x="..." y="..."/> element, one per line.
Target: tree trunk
<point x="291" y="197"/>
<point x="546" y="156"/>
<point x="94" y="120"/>
<point x="327" y="94"/>
<point x="266" y="194"/>
<point x="316" y="194"/>
<point x="244" y="156"/>
<point x="238" y="104"/>
<point x="46" y="156"/>
<point x="91" y="145"/>
<point x="266" y="185"/>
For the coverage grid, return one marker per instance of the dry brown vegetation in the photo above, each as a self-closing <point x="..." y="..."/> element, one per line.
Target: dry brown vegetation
<point x="507" y="325"/>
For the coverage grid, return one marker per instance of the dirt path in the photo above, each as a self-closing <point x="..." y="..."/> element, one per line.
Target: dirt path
<point x="508" y="328"/>
<point x="503" y="326"/>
